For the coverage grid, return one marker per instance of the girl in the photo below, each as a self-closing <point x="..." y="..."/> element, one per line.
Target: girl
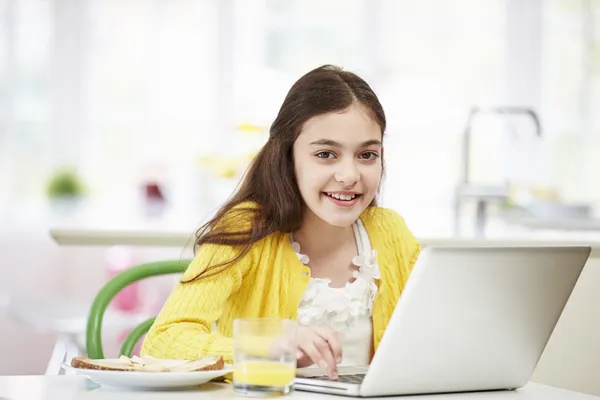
<point x="302" y="238"/>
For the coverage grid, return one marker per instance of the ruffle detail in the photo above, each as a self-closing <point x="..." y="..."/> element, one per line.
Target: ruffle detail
<point x="302" y="257"/>
<point x="339" y="308"/>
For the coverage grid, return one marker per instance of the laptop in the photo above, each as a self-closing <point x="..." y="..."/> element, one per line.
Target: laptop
<point x="469" y="319"/>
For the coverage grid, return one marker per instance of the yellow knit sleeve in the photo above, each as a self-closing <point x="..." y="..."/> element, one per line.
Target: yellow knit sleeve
<point x="404" y="240"/>
<point x="183" y="328"/>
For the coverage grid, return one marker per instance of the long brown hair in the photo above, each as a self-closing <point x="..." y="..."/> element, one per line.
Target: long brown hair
<point x="269" y="186"/>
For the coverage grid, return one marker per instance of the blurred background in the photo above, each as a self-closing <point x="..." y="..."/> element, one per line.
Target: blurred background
<point x="182" y="93"/>
<point x="129" y="113"/>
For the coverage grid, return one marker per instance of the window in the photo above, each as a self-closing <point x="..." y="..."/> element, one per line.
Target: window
<point x="26" y="32"/>
<point x="438" y="59"/>
<point x="277" y="41"/>
<point x="127" y="89"/>
<point x="565" y="73"/>
<point x="150" y="87"/>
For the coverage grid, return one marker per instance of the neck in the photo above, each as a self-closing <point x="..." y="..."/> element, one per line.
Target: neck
<point x="317" y="237"/>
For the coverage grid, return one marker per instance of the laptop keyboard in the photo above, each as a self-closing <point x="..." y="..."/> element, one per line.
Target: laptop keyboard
<point x="354" y="378"/>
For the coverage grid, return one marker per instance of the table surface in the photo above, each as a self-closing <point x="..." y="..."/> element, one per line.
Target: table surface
<point x="67" y="387"/>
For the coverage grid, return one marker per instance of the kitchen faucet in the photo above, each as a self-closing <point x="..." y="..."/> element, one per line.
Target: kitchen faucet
<point x="483" y="194"/>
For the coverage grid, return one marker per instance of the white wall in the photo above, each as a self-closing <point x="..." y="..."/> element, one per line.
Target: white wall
<point x="572" y="357"/>
<point x="29" y="265"/>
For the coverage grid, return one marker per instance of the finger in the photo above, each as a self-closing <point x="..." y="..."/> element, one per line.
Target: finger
<point x="333" y="338"/>
<point x="304" y="361"/>
<point x="282" y="347"/>
<point x="320" y="353"/>
<point x="311" y="351"/>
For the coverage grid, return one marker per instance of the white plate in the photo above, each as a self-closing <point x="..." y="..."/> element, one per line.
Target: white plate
<point x="150" y="380"/>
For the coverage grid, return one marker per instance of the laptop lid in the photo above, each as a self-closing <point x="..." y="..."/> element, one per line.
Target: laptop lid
<point x="474" y="318"/>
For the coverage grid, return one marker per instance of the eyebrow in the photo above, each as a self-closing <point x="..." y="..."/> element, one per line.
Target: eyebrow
<point x="332" y="143"/>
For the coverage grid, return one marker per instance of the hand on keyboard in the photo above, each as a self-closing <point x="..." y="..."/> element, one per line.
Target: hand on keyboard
<point x="320" y="346"/>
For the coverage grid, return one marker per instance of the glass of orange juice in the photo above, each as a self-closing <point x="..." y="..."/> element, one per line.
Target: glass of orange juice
<point x="264" y="356"/>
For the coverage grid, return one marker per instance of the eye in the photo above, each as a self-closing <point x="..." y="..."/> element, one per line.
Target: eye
<point x="325" y="155"/>
<point x="369" y="155"/>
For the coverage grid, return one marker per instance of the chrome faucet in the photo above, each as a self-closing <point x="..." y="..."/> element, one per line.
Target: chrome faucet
<point x="483" y="194"/>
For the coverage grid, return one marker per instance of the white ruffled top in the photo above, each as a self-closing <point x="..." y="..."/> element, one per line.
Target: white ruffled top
<point x="348" y="309"/>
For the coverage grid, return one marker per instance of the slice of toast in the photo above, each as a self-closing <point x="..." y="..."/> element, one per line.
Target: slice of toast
<point x="201" y="364"/>
<point x="148" y="364"/>
<point x="106" y="365"/>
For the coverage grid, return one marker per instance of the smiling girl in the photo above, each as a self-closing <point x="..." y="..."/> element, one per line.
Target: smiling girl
<point x="302" y="237"/>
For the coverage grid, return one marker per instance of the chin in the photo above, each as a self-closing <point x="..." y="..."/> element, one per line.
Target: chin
<point x="339" y="222"/>
<point x="340" y="218"/>
<point x="336" y="215"/>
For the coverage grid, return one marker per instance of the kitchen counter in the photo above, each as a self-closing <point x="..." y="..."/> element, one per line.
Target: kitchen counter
<point x="173" y="237"/>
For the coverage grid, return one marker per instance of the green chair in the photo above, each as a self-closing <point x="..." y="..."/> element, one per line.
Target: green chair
<point x="110" y="290"/>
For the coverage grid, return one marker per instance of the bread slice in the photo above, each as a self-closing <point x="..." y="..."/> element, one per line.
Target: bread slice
<point x="106" y="365"/>
<point x="201" y="364"/>
<point x="149" y="364"/>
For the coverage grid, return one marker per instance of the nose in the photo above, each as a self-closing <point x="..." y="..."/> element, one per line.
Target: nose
<point x="348" y="174"/>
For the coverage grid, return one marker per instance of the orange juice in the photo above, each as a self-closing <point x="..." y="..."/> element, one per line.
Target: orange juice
<point x="264" y="373"/>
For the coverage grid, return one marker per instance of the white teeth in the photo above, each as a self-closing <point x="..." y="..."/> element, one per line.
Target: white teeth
<point x="341" y="196"/>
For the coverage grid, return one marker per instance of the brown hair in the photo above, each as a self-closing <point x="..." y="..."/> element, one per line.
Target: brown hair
<point x="270" y="184"/>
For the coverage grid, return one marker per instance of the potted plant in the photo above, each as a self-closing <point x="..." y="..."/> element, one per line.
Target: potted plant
<point x="65" y="190"/>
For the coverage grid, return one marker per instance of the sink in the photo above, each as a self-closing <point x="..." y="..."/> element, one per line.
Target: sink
<point x="559" y="210"/>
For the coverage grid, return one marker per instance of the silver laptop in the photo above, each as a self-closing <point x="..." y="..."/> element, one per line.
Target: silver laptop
<point x="469" y="319"/>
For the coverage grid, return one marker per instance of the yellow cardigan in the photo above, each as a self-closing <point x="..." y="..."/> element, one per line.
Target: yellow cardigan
<point x="268" y="282"/>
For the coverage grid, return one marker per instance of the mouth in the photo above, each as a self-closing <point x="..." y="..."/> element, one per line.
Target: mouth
<point x="343" y="199"/>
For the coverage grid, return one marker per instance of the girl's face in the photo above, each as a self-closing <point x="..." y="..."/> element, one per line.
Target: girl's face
<point x="337" y="159"/>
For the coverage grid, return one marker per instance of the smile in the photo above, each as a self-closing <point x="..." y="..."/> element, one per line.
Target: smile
<point x="345" y="197"/>
<point x="343" y="200"/>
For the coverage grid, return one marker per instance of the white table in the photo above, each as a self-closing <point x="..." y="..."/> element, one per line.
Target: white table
<point x="177" y="229"/>
<point x="67" y="387"/>
<point x="116" y="237"/>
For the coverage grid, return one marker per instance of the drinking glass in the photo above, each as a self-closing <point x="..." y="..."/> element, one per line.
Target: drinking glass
<point x="264" y="356"/>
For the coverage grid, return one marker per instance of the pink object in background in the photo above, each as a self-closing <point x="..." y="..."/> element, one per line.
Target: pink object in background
<point x="155" y="201"/>
<point x="155" y="291"/>
<point x="119" y="259"/>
